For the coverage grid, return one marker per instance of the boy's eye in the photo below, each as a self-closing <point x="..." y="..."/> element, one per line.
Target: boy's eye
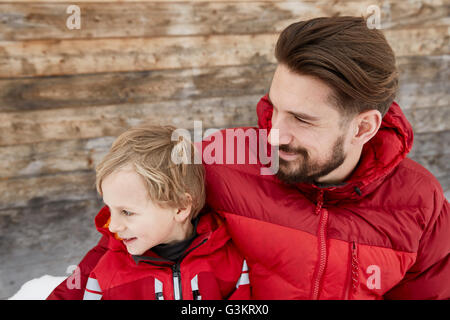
<point x="127" y="213"/>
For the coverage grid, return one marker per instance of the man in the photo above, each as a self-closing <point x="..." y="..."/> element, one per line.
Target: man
<point x="347" y="215"/>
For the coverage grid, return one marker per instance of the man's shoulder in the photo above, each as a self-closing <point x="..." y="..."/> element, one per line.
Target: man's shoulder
<point x="413" y="172"/>
<point x="413" y="186"/>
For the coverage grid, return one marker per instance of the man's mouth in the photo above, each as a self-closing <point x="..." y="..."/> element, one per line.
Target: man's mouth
<point x="288" y="156"/>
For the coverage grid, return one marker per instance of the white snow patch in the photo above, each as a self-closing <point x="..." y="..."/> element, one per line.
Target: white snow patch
<point x="37" y="289"/>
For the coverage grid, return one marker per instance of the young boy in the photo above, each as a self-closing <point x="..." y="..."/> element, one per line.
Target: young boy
<point x="156" y="243"/>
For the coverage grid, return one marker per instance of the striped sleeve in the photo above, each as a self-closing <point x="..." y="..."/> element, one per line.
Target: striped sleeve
<point x="242" y="291"/>
<point x="92" y="290"/>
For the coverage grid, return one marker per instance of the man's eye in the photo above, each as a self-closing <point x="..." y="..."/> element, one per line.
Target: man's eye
<point x="301" y="120"/>
<point x="127" y="213"/>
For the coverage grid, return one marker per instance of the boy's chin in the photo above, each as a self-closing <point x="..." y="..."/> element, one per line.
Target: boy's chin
<point x="135" y="251"/>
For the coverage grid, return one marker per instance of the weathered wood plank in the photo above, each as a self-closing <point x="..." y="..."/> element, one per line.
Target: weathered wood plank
<point x="89" y="122"/>
<point x="155" y="19"/>
<point x="31" y="160"/>
<point x="423" y="83"/>
<point x="133" y="87"/>
<point x="420" y="41"/>
<point x="415" y="95"/>
<point x="422" y="70"/>
<point x="32" y="191"/>
<point x="66" y="57"/>
<point x="431" y="144"/>
<point x="407" y="14"/>
<point x="429" y="119"/>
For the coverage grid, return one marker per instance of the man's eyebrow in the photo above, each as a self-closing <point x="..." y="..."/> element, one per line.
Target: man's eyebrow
<point x="300" y="115"/>
<point x="304" y="116"/>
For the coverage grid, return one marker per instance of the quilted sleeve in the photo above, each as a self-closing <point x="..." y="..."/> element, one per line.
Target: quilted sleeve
<point x="429" y="277"/>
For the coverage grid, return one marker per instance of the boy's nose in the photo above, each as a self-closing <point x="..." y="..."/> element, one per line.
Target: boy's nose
<point x="115" y="226"/>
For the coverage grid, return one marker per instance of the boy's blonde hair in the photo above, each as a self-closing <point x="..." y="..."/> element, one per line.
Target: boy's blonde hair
<point x="149" y="148"/>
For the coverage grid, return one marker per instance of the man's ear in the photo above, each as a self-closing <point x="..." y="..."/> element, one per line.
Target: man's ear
<point x="184" y="213"/>
<point x="365" y="126"/>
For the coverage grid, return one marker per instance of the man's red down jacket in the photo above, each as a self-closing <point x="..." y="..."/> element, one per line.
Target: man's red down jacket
<point x="383" y="234"/>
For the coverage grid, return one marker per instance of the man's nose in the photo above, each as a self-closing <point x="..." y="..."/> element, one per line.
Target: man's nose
<point x="279" y="134"/>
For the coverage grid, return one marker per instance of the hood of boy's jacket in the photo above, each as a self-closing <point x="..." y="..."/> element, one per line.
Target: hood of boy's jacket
<point x="210" y="230"/>
<point x="379" y="156"/>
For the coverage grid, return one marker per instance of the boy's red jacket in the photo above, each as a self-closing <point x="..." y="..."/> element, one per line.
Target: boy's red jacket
<point x="211" y="268"/>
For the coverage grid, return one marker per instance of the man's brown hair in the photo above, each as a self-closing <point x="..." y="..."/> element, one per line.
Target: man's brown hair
<point x="150" y="149"/>
<point x="355" y="61"/>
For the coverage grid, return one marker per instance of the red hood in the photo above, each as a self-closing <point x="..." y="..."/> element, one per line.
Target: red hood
<point x="209" y="227"/>
<point x="379" y="156"/>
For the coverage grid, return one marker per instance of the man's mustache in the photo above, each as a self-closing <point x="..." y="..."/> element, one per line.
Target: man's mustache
<point x="289" y="149"/>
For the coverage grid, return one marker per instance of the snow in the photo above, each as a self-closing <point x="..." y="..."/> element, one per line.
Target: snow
<point x="37" y="289"/>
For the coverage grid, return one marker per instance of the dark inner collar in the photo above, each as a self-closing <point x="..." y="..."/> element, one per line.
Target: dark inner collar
<point x="174" y="251"/>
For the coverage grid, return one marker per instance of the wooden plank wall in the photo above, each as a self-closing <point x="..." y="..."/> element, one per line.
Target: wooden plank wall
<point x="65" y="94"/>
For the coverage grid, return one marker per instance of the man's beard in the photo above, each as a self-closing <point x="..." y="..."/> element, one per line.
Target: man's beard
<point x="303" y="169"/>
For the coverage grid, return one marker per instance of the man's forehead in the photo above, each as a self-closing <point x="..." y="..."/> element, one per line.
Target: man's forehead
<point x="295" y="92"/>
<point x="303" y="110"/>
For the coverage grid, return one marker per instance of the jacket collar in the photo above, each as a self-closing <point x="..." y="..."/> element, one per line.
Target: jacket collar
<point x="379" y="156"/>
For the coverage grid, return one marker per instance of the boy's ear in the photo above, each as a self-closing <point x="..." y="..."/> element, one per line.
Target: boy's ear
<point x="183" y="213"/>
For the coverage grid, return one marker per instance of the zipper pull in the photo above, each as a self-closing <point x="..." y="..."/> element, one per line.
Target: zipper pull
<point x="355" y="267"/>
<point x="319" y="202"/>
<point x="176" y="272"/>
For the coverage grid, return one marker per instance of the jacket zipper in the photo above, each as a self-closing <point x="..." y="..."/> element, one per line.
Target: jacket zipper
<point x="322" y="246"/>
<point x="177" y="293"/>
<point x="354" y="271"/>
<point x="176" y="274"/>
